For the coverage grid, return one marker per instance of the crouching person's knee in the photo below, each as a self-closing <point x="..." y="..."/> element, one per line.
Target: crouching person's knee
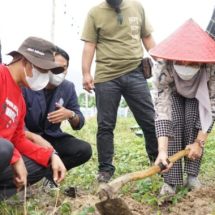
<point x="6" y="153"/>
<point x="87" y="152"/>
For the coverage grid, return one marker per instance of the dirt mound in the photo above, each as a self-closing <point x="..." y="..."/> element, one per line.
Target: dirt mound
<point x="199" y="202"/>
<point x="138" y="208"/>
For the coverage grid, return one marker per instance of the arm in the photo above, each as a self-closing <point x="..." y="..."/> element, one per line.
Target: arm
<point x="87" y="58"/>
<point x="37" y="139"/>
<point x="148" y="42"/>
<point x="196" y="147"/>
<point x="71" y="109"/>
<point x="163" y="109"/>
<point x="41" y="155"/>
<point x="19" y="173"/>
<point x="26" y="147"/>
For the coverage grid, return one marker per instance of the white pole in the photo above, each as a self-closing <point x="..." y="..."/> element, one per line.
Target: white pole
<point x="86" y="100"/>
<point x="53" y="21"/>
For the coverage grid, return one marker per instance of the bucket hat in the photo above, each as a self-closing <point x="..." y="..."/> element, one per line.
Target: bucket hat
<point x="40" y="53"/>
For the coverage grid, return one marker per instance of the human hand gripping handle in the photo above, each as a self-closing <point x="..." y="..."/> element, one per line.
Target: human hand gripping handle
<point x="195" y="151"/>
<point x="58" y="168"/>
<point x="163" y="162"/>
<point x="196" y="148"/>
<point x="162" y="159"/>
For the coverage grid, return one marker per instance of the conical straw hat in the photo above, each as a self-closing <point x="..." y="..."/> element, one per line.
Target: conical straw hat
<point x="188" y="43"/>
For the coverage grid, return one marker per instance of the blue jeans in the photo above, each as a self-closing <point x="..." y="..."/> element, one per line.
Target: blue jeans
<point x="133" y="87"/>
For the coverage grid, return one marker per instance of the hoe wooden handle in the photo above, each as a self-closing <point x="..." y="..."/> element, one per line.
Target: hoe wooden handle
<point x="179" y="155"/>
<point x="110" y="189"/>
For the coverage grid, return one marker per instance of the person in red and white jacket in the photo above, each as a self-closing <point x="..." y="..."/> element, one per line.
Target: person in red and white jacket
<point x="21" y="161"/>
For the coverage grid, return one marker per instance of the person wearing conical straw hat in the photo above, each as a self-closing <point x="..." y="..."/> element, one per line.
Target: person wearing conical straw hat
<point x="184" y="86"/>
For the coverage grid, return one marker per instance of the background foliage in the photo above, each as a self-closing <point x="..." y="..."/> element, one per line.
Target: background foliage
<point x="130" y="156"/>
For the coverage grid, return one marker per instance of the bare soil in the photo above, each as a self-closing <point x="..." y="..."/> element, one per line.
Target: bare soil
<point x="198" y="202"/>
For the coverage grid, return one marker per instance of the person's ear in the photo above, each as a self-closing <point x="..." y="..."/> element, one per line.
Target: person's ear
<point x="28" y="67"/>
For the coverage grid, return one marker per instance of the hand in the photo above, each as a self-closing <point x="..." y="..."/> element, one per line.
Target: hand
<point x="162" y="158"/>
<point x="88" y="83"/>
<point x="195" y="151"/>
<point x="59" y="115"/>
<point x="20" y="174"/>
<point x="58" y="168"/>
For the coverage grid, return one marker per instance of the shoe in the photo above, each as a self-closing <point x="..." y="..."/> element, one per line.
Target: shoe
<point x="168" y="189"/>
<point x="193" y="182"/>
<point x="104" y="177"/>
<point x="49" y="185"/>
<point x="71" y="192"/>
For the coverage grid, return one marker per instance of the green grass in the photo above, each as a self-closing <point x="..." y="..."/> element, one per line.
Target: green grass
<point x="130" y="156"/>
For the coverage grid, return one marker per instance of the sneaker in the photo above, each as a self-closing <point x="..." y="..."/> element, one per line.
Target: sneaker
<point x="49" y="185"/>
<point x="193" y="182"/>
<point x="104" y="177"/>
<point x="168" y="189"/>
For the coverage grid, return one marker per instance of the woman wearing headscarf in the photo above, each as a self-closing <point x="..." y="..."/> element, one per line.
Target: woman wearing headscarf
<point x="184" y="86"/>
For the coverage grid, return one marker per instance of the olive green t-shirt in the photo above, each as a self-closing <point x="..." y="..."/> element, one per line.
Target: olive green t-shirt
<point x="118" y="45"/>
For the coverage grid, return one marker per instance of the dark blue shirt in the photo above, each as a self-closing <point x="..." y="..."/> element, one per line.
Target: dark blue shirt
<point x="40" y="103"/>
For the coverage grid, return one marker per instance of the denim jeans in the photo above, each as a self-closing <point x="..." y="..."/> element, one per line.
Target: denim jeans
<point x="133" y="87"/>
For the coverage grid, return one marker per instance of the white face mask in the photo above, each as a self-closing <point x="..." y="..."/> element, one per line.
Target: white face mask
<point x="56" y="80"/>
<point x="38" y="81"/>
<point x="186" y="72"/>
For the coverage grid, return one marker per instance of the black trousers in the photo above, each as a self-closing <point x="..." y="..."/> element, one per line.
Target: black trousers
<point x="6" y="153"/>
<point x="133" y="87"/>
<point x="72" y="151"/>
<point x="35" y="174"/>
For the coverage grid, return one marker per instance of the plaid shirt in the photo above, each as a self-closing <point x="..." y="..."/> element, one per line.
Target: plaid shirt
<point x="211" y="26"/>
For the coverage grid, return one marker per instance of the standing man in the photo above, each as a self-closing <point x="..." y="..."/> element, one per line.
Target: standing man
<point x="21" y="161"/>
<point x="116" y="30"/>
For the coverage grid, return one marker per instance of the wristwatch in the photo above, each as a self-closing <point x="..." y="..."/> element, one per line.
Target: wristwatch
<point x="200" y="142"/>
<point x="73" y="116"/>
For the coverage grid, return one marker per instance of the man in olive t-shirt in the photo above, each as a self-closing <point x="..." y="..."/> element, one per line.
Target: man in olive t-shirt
<point x="116" y="31"/>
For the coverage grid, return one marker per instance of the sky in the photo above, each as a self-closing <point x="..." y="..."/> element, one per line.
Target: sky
<point x="22" y="18"/>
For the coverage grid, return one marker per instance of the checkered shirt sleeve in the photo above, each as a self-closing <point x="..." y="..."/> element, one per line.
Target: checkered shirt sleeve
<point x="164" y="128"/>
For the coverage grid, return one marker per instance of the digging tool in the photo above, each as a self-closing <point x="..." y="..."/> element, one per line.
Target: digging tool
<point x="110" y="204"/>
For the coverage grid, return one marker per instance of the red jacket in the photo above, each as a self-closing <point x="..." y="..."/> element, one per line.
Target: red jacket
<point x="12" y="114"/>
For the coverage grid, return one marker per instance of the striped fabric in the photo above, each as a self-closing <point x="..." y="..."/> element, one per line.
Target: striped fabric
<point x="211" y="26"/>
